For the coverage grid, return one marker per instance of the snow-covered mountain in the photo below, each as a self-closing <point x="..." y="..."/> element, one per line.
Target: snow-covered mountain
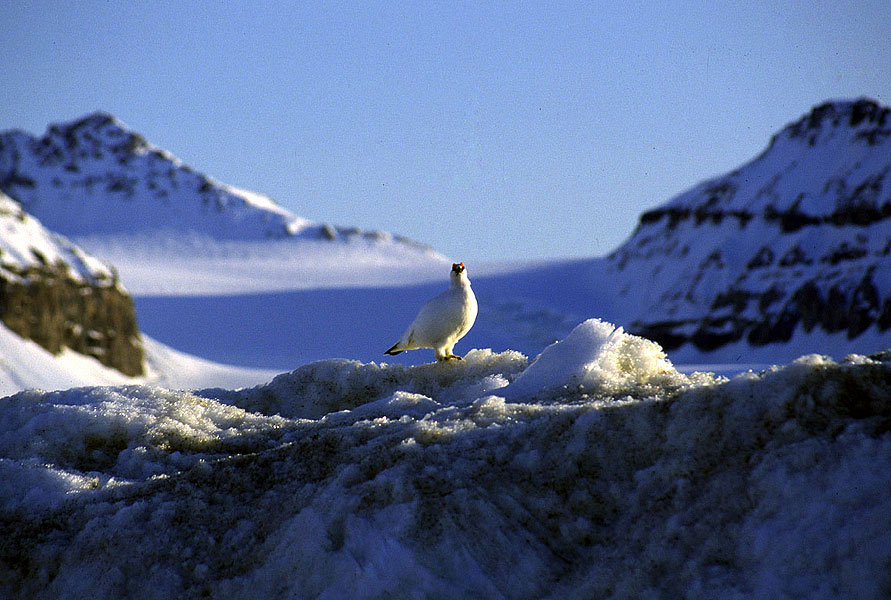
<point x="796" y="241"/>
<point x="95" y="176"/>
<point x="142" y="209"/>
<point x="792" y="246"/>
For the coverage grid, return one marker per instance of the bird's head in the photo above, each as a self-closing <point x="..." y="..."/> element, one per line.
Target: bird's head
<point x="458" y="276"/>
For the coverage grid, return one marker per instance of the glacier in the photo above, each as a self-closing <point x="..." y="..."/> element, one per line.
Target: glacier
<point x="596" y="470"/>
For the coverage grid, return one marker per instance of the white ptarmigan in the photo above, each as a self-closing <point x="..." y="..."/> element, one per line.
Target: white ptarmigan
<point x="443" y="320"/>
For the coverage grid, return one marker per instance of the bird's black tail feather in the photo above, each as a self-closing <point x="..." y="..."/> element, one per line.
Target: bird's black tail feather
<point x="394" y="350"/>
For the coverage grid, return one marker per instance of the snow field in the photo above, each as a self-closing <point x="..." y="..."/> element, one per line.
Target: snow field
<point x="617" y="478"/>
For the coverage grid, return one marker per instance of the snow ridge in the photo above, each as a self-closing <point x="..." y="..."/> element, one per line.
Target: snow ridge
<point x="25" y="244"/>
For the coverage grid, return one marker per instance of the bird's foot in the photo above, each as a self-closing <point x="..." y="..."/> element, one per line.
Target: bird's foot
<point x="448" y="357"/>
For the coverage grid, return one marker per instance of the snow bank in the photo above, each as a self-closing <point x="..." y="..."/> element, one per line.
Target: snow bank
<point x="90" y="438"/>
<point x="344" y="479"/>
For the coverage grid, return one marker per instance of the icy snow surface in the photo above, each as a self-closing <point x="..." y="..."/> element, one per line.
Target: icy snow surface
<point x="595" y="471"/>
<point x="25" y="365"/>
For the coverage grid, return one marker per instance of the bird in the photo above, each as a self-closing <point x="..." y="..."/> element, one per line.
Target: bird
<point x="443" y="320"/>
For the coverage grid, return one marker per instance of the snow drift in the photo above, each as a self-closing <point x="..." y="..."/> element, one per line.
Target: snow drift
<point x="605" y="474"/>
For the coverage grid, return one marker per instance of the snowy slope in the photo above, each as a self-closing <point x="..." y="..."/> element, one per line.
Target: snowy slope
<point x="30" y="253"/>
<point x="597" y="471"/>
<point x="57" y="295"/>
<point x="25" y="365"/>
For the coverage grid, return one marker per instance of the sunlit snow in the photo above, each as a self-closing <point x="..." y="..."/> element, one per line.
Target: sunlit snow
<point x="594" y="471"/>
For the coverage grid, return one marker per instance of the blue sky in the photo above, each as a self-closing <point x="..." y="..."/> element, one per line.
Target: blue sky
<point x="492" y="131"/>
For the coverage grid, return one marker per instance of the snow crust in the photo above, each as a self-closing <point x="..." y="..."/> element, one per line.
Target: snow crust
<point x="365" y="480"/>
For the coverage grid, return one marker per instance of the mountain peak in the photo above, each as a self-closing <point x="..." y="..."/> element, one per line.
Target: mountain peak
<point x="869" y="120"/>
<point x="94" y="132"/>
<point x="94" y="176"/>
<point x="95" y="120"/>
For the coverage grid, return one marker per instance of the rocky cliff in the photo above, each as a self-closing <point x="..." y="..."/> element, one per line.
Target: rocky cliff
<point x="53" y="293"/>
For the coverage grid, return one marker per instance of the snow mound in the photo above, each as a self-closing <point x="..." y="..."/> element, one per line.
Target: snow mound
<point x="328" y="386"/>
<point x="598" y="357"/>
<point x="429" y="482"/>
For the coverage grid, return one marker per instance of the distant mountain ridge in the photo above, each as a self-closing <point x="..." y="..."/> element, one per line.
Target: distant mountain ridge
<point x="94" y="176"/>
<point x="797" y="239"/>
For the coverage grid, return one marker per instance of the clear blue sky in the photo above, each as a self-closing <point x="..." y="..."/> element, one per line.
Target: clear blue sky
<point x="489" y="130"/>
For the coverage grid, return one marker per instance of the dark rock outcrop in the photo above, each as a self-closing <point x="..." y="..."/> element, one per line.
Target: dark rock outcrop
<point x="46" y="305"/>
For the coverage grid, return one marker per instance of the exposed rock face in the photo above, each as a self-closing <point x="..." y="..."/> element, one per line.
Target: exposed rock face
<point x="797" y="239"/>
<point x="56" y="295"/>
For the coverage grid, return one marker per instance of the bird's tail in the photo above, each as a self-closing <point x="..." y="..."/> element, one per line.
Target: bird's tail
<point x="394" y="350"/>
